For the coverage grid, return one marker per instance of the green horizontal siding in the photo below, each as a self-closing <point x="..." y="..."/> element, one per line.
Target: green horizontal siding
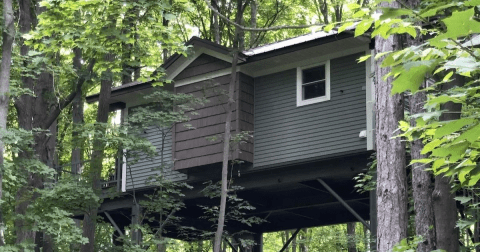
<point x="287" y="133"/>
<point x="146" y="167"/>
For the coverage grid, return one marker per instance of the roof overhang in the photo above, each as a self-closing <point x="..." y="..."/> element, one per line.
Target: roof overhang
<point x="254" y="62"/>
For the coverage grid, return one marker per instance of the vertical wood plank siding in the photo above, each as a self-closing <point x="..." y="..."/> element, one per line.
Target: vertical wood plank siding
<point x="287" y="133"/>
<point x="146" y="167"/>
<point x="202" y="65"/>
<point x="191" y="146"/>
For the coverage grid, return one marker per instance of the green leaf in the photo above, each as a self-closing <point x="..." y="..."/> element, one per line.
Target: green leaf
<point x="472" y="3"/>
<point x="169" y="16"/>
<point x="463" y="199"/>
<point x="363" y="26"/>
<point x="388" y="13"/>
<point x="432" y="145"/>
<point x="459" y="24"/>
<point x="329" y="27"/>
<point x="471" y="135"/>
<point x="345" y="26"/>
<point x="453" y="126"/>
<point x="364" y="58"/>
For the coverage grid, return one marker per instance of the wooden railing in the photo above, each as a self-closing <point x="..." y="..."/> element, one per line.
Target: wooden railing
<point x="114" y="180"/>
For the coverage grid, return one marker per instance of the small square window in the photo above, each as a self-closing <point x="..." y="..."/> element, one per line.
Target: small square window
<point x="313" y="84"/>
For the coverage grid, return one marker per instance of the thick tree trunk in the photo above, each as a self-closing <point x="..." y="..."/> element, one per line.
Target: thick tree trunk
<point x="8" y="36"/>
<point x="94" y="175"/>
<point x="444" y="204"/>
<point x="352" y="247"/>
<point x="422" y="180"/>
<point x="392" y="217"/>
<point x="24" y="106"/>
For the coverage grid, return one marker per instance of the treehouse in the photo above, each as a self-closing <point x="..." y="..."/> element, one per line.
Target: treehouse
<point x="308" y="104"/>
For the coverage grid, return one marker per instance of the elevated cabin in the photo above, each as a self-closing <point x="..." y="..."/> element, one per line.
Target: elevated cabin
<point x="307" y="102"/>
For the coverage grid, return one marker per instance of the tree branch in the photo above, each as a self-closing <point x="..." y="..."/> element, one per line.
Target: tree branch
<point x="59" y="107"/>
<point x="273" y="28"/>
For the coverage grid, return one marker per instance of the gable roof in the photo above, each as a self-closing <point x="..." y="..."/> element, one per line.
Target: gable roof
<point x="178" y="62"/>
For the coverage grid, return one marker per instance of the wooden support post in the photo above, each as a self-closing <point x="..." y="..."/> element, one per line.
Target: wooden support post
<point x="258" y="239"/>
<point x="136" y="233"/>
<point x="290" y="240"/>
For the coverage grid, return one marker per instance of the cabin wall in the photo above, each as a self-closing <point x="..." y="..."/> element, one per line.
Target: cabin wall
<point x="285" y="133"/>
<point x="146" y="167"/>
<point x="192" y="148"/>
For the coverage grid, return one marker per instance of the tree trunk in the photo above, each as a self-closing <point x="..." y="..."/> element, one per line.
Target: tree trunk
<point x="226" y="137"/>
<point x="94" y="175"/>
<point x="253" y="22"/>
<point x="392" y="217"/>
<point x="422" y="180"/>
<point x="216" y="26"/>
<point x="352" y="247"/>
<point x="8" y="37"/>
<point x="324" y="10"/>
<point x="294" y="243"/>
<point x="24" y="106"/>
<point x="444" y="205"/>
<point x="303" y="246"/>
<point x="77" y="115"/>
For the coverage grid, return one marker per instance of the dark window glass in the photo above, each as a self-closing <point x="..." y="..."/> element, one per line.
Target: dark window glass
<point x="313" y="74"/>
<point x="314" y="90"/>
<point x="313" y="82"/>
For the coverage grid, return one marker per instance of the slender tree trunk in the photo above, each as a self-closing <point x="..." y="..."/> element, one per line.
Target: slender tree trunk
<point x="303" y="246"/>
<point x="226" y="152"/>
<point x="226" y="137"/>
<point x="324" y="10"/>
<point x="253" y="22"/>
<point x="216" y="26"/>
<point x="94" y="175"/>
<point x="352" y="247"/>
<point x="392" y="215"/>
<point x="8" y="36"/>
<point x="294" y="243"/>
<point x="444" y="204"/>
<point x="77" y="115"/>
<point x="77" y="119"/>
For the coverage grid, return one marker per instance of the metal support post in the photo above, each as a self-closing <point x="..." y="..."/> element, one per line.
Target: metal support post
<point x="343" y="203"/>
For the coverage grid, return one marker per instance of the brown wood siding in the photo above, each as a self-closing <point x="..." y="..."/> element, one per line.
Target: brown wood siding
<point x="202" y="65"/>
<point x="191" y="147"/>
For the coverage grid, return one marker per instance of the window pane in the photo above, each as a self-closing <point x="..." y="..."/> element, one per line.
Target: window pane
<point x="314" y="90"/>
<point x="313" y="74"/>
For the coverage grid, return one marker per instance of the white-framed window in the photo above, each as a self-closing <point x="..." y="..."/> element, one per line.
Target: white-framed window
<point x="313" y="83"/>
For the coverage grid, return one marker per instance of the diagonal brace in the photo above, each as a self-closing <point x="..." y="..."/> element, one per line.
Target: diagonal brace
<point x="113" y="223"/>
<point x="344" y="203"/>
<point x="290" y="240"/>
<point x="230" y="244"/>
